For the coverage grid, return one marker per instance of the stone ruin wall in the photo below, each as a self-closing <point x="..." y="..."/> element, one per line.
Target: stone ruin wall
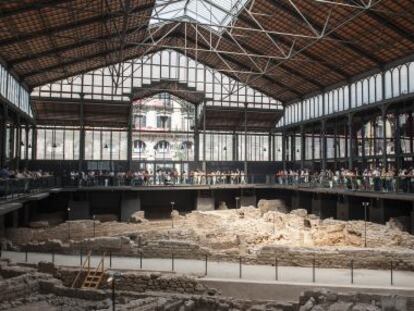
<point x="23" y="285"/>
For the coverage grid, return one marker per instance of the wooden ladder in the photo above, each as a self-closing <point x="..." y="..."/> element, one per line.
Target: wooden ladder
<point x="93" y="277"/>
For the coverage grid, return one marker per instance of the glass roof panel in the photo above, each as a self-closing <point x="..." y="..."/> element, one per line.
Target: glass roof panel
<point x="211" y="13"/>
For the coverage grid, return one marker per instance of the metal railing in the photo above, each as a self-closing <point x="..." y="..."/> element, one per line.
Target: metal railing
<point x="354" y="271"/>
<point x="396" y="184"/>
<point x="160" y="180"/>
<point x="13" y="188"/>
<point x="16" y="187"/>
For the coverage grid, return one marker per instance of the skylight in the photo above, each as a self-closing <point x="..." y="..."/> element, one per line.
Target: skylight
<point x="211" y="13"/>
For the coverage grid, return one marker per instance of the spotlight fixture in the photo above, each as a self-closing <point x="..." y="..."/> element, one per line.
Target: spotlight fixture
<point x="21" y="143"/>
<point x="54" y="145"/>
<point x="225" y="148"/>
<point x="106" y="146"/>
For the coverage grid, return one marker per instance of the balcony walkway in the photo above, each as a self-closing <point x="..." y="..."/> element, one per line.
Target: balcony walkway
<point x="403" y="196"/>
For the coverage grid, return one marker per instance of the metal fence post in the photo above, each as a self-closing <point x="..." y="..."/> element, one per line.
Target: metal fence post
<point x="276" y="269"/>
<point x="313" y="269"/>
<point x="392" y="273"/>
<point x="206" y="265"/>
<point x="140" y="260"/>
<point x="352" y="271"/>
<point x="53" y="257"/>
<point x="240" y="267"/>
<point x="110" y="259"/>
<point x="172" y="262"/>
<point x="25" y="255"/>
<point x="80" y="257"/>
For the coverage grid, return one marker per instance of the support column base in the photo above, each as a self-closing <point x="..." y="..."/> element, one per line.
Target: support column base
<point x="343" y="209"/>
<point x="377" y="212"/>
<point x="130" y="203"/>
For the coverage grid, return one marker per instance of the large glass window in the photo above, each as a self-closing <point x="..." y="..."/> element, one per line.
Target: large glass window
<point x="98" y="84"/>
<point x="168" y="119"/>
<point x="397" y="82"/>
<point x="106" y="144"/>
<point x="219" y="146"/>
<point x="57" y="143"/>
<point x="257" y="147"/>
<point x="14" y="92"/>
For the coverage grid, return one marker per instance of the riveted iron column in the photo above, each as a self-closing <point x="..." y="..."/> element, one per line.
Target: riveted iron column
<point x="4" y="135"/>
<point x="384" y="136"/>
<point x="81" y="133"/>
<point x="323" y="143"/>
<point x="245" y="142"/>
<point x="350" y="142"/>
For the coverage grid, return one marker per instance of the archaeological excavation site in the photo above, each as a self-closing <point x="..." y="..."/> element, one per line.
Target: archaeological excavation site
<point x="264" y="257"/>
<point x="207" y="155"/>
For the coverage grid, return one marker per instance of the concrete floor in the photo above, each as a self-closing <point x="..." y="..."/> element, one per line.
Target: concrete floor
<point x="231" y="271"/>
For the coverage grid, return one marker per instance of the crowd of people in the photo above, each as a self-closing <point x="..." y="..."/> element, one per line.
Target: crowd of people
<point x="6" y="173"/>
<point x="377" y="179"/>
<point x="159" y="177"/>
<point x="16" y="182"/>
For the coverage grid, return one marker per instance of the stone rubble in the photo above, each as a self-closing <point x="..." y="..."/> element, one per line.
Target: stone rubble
<point x="138" y="218"/>
<point x="325" y="300"/>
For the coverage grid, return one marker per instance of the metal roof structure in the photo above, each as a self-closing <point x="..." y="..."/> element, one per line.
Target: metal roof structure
<point x="238" y="119"/>
<point x="286" y="49"/>
<point x="174" y="87"/>
<point x="55" y="111"/>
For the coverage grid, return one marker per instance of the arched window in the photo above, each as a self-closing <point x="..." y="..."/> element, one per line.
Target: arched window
<point x="404" y="79"/>
<point x="335" y="101"/>
<point x="341" y="99"/>
<point x="411" y="76"/>
<point x="139" y="146"/>
<point x="346" y="97"/>
<point x="359" y="93"/>
<point x="162" y="146"/>
<point x="330" y="102"/>
<point x="378" y="84"/>
<point x="353" y="96"/>
<point x="320" y="104"/>
<point x="388" y="85"/>
<point x="396" y="82"/>
<point x="186" y="145"/>
<point x="372" y="89"/>
<point x="365" y="92"/>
